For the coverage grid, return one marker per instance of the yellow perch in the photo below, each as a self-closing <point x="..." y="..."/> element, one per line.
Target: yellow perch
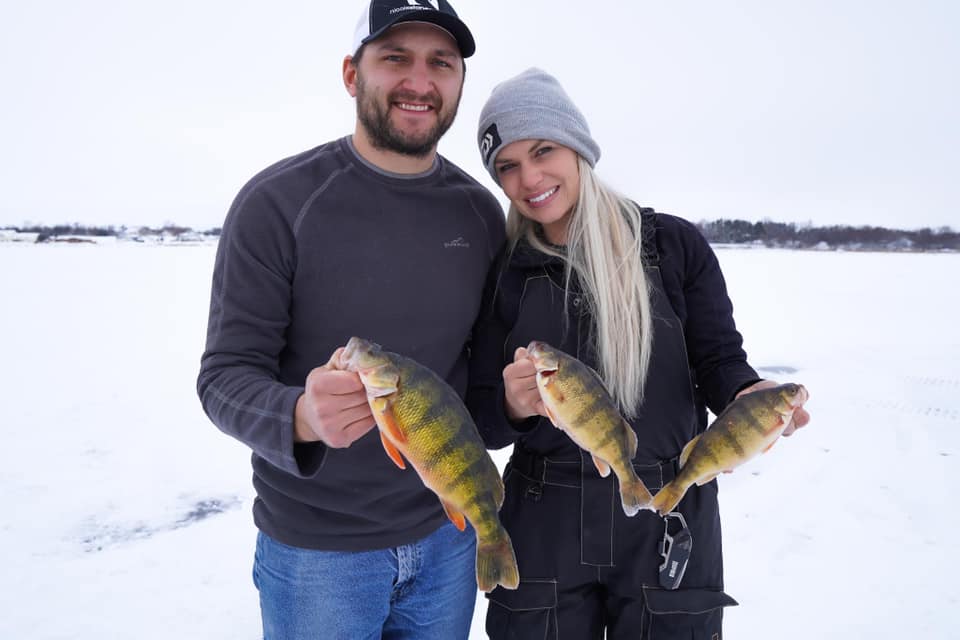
<point x="746" y="428"/>
<point x="422" y="419"/>
<point x="578" y="403"/>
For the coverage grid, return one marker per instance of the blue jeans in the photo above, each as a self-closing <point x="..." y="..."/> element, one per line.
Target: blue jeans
<point x="420" y="591"/>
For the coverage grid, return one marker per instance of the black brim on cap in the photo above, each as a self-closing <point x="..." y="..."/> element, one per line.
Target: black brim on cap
<point x="446" y="20"/>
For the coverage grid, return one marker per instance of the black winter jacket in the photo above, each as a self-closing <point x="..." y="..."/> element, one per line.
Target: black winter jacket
<point x="696" y="291"/>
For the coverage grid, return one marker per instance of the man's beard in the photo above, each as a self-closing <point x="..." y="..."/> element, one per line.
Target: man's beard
<point x="383" y="135"/>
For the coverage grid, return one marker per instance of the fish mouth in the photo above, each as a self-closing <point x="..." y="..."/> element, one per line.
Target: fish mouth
<point x="355" y="349"/>
<point x="536" y="351"/>
<point x="349" y="351"/>
<point x="536" y="347"/>
<point x="802" y="396"/>
<point x="543" y="360"/>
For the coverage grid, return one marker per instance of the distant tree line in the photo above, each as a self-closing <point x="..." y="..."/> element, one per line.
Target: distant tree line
<point x="45" y="232"/>
<point x="790" y="235"/>
<point x="765" y="233"/>
<point x="68" y="230"/>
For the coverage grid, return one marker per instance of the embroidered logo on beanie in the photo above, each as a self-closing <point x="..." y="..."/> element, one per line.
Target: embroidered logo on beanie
<point x="489" y="142"/>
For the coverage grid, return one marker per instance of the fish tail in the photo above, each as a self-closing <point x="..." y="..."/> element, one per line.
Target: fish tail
<point x="497" y="564"/>
<point x="635" y="496"/>
<point x="668" y="498"/>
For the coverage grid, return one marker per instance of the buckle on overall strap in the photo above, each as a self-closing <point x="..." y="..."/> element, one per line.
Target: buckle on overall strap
<point x="531" y="468"/>
<point x="534" y="491"/>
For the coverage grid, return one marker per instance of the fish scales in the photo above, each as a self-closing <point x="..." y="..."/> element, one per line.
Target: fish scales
<point x="449" y="461"/>
<point x="593" y="412"/>
<point x="584" y="396"/>
<point x="424" y="415"/>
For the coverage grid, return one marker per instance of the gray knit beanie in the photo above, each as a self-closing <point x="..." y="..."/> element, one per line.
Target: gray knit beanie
<point x="532" y="106"/>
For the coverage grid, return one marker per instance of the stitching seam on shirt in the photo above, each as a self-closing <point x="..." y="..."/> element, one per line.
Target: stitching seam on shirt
<point x="316" y="194"/>
<point x="279" y="172"/>
<point x="263" y="413"/>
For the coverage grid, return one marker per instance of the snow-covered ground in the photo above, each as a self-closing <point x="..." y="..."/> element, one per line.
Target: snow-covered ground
<point x="127" y="514"/>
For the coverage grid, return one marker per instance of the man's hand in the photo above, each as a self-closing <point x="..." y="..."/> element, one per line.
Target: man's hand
<point x="333" y="408"/>
<point x="800" y="415"/>
<point x="521" y="396"/>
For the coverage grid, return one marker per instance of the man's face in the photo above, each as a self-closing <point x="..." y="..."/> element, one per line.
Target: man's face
<point x="408" y="87"/>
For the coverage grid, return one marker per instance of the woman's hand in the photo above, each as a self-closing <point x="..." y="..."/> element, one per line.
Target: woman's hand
<point x="521" y="396"/>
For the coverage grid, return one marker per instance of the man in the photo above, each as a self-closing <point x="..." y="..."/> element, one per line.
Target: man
<point x="373" y="235"/>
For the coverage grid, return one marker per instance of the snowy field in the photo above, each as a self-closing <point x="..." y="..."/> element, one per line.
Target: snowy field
<point x="127" y="514"/>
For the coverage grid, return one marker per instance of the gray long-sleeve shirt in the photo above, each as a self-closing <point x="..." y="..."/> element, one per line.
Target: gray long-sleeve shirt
<point x="315" y="249"/>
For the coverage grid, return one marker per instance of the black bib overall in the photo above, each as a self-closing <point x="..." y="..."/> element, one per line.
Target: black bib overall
<point x="584" y="565"/>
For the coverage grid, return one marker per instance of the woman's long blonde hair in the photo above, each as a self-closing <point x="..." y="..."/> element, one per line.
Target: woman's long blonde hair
<point x="603" y="249"/>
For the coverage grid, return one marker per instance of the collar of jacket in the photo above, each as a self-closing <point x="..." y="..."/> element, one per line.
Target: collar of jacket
<point x="524" y="256"/>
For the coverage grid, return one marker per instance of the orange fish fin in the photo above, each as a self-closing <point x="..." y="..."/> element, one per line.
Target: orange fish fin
<point x="602" y="466"/>
<point x="632" y="442"/>
<point x="386" y="420"/>
<point x="455" y="516"/>
<point x="392" y="451"/>
<point x="685" y="454"/>
<point x="767" y="448"/>
<point x="634" y="496"/>
<point x="497" y="563"/>
<point x="553" y="418"/>
<point x="705" y="480"/>
<point x="668" y="498"/>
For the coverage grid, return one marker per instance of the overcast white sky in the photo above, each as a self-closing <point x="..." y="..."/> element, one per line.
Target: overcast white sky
<point x="832" y="112"/>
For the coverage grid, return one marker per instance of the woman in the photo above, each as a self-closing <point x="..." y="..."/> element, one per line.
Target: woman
<point x="638" y="296"/>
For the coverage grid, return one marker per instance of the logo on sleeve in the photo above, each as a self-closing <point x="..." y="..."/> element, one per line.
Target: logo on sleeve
<point x="489" y="142"/>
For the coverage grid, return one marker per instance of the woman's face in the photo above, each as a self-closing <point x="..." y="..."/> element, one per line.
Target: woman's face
<point x="542" y="180"/>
